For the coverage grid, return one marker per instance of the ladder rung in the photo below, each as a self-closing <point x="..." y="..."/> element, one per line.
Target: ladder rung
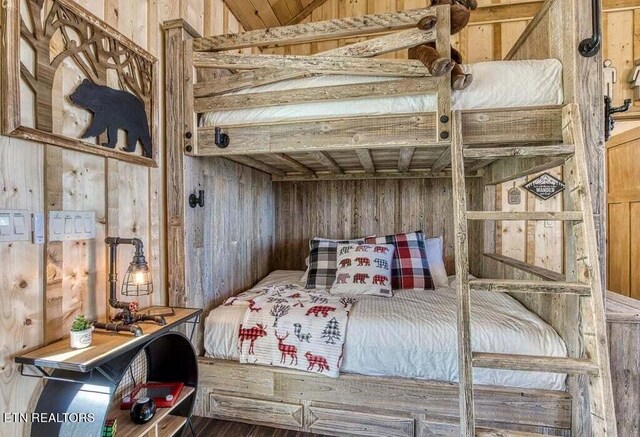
<point x="525" y="215"/>
<point x="505" y="152"/>
<point x="542" y="287"/>
<point x="535" y="363"/>
<point x="488" y="432"/>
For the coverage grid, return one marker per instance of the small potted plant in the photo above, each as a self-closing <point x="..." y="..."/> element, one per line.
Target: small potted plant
<point x="81" y="333"/>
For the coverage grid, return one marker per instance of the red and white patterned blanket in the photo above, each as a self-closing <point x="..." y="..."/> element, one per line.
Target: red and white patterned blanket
<point x="289" y="326"/>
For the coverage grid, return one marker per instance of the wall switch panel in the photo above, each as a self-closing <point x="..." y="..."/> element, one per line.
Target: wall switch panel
<point x="37" y="225"/>
<point x="72" y="225"/>
<point x="15" y="225"/>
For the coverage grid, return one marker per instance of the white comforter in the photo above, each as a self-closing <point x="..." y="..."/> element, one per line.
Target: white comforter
<point x="413" y="335"/>
<point x="497" y="84"/>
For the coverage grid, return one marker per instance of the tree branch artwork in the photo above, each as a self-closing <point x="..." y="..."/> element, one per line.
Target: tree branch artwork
<point x="57" y="32"/>
<point x="278" y="311"/>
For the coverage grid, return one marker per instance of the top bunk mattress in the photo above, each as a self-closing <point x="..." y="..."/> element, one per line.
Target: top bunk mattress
<point x="496" y="85"/>
<point x="414" y="335"/>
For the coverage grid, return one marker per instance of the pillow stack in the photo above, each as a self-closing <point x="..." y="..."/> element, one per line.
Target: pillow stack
<point x="376" y="265"/>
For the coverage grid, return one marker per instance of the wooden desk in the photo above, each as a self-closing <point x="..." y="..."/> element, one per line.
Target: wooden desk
<point x="105" y="346"/>
<point x="83" y="381"/>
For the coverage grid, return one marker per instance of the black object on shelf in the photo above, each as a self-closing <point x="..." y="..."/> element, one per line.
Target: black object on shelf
<point x="143" y="410"/>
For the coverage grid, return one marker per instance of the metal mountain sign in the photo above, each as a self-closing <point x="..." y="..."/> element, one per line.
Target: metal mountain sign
<point x="545" y="186"/>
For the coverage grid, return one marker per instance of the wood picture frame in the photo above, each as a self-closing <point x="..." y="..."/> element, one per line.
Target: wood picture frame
<point x="45" y="60"/>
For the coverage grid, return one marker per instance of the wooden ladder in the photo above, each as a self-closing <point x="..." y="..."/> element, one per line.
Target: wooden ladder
<point x="582" y="279"/>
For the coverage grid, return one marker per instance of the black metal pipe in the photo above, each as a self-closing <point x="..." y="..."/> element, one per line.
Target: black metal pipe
<point x="591" y="46"/>
<point x="111" y="326"/>
<point x="138" y="259"/>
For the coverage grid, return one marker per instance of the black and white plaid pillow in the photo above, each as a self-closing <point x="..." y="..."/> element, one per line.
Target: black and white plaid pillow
<point x="323" y="261"/>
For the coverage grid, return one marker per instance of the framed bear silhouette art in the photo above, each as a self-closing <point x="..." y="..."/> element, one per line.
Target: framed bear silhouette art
<point x="71" y="80"/>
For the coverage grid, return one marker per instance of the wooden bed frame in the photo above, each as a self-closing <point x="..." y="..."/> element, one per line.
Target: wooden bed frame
<point x="412" y="146"/>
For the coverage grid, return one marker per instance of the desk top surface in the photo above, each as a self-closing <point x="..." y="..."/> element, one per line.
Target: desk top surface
<point x="105" y="346"/>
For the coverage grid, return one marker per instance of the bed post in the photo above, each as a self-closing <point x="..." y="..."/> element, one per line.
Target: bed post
<point x="179" y="131"/>
<point x="443" y="46"/>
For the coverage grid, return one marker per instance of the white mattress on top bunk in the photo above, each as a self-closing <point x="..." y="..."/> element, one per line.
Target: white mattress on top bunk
<point x="413" y="334"/>
<point x="497" y="84"/>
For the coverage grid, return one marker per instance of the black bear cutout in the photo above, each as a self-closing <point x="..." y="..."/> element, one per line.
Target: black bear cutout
<point x="112" y="110"/>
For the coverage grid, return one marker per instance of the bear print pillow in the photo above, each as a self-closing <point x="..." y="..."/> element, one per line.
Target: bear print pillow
<point x="364" y="269"/>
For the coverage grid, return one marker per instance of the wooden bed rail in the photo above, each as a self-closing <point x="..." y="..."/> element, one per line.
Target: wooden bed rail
<point x="203" y="58"/>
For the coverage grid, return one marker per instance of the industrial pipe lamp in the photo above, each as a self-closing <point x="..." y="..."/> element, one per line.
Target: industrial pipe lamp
<point x="137" y="282"/>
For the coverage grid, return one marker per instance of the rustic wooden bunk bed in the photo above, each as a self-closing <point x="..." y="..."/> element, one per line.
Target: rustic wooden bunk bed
<point x="458" y="145"/>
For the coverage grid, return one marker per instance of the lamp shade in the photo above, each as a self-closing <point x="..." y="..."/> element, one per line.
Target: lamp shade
<point x="137" y="280"/>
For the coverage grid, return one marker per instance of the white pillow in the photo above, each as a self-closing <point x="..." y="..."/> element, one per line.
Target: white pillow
<point x="364" y="269"/>
<point x="435" y="258"/>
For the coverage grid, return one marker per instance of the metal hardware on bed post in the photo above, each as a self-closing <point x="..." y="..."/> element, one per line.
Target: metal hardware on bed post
<point x="609" y="122"/>
<point x="591" y="46"/>
<point x="221" y="139"/>
<point x="196" y="200"/>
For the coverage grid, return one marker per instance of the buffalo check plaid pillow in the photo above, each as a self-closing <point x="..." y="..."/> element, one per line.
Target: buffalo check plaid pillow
<point x="410" y="268"/>
<point x="323" y="261"/>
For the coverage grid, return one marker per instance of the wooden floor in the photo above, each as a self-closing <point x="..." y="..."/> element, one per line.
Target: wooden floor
<point x="211" y="427"/>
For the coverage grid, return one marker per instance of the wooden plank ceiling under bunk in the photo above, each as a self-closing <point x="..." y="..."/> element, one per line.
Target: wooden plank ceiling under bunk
<point x="413" y="145"/>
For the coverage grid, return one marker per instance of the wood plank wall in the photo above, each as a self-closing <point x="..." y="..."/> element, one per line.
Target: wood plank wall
<point x="623" y="204"/>
<point x="41" y="292"/>
<point x="351" y="209"/>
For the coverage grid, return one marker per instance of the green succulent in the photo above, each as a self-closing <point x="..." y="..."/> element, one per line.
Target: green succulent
<point x="80" y="324"/>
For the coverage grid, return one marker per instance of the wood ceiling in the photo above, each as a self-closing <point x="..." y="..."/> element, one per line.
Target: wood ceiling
<point x="261" y="14"/>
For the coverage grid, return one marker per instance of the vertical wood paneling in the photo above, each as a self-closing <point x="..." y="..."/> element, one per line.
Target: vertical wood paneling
<point x="21" y="277"/>
<point x="128" y="200"/>
<point x="350" y="209"/>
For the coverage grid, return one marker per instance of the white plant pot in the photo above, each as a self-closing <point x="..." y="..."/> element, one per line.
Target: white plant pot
<point x="81" y="339"/>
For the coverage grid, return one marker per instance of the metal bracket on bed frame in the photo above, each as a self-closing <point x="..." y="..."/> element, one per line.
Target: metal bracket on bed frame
<point x="221" y="139"/>
<point x="591" y="46"/>
<point x="609" y="122"/>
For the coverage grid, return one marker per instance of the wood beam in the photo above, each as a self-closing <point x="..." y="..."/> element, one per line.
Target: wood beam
<point x="538" y="271"/>
<point x="443" y="160"/>
<point x="366" y="159"/>
<point x="385" y="44"/>
<point x="403" y="87"/>
<point x="534" y="363"/>
<point x="328" y="162"/>
<point x="526" y="10"/>
<point x="529" y="171"/>
<point x="314" y="64"/>
<point x="293" y="163"/>
<point x="305" y="12"/>
<point x="251" y="162"/>
<point x="405" y="158"/>
<point x="371" y="132"/>
<point x="541" y="287"/>
<point x="315" y="31"/>
<point x="349" y="176"/>
<point x="525" y="215"/>
<point x="244" y="80"/>
<point x="519" y="151"/>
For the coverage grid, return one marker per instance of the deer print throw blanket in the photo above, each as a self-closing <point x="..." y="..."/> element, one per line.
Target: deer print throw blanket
<point x="289" y="326"/>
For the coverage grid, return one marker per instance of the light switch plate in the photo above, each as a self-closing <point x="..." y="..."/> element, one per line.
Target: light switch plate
<point x="37" y="225"/>
<point x="15" y="225"/>
<point x="72" y="225"/>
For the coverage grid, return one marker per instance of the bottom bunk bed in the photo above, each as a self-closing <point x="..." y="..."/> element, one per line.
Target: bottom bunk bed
<point x="399" y="372"/>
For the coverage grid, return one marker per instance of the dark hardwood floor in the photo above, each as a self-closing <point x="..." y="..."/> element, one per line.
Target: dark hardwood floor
<point x="206" y="427"/>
